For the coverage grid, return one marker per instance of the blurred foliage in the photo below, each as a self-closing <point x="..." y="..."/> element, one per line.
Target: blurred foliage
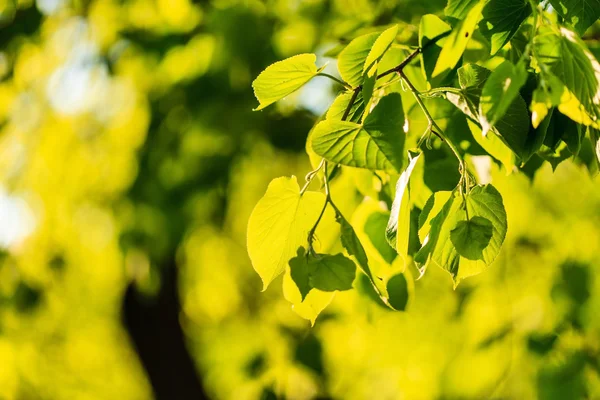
<point x="127" y="139"/>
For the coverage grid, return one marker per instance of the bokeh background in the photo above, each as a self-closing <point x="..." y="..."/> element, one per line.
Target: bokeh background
<point x="130" y="160"/>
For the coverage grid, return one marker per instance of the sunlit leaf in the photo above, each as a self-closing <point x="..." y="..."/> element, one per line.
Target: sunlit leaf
<point x="279" y="225"/>
<point x="580" y="14"/>
<point x="471" y="237"/>
<point x="362" y="53"/>
<point x="501" y="89"/>
<point x="283" y="78"/>
<point x="457" y="41"/>
<point x="459" y="9"/>
<point x="432" y="28"/>
<point x="376" y="144"/>
<point x="568" y="58"/>
<point x="438" y="247"/>
<point x="502" y="19"/>
<point x="330" y="273"/>
<point x="398" y="227"/>
<point x="340" y="104"/>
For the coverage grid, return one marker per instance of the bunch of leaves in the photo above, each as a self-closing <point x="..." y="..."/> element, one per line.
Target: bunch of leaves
<point x="531" y="96"/>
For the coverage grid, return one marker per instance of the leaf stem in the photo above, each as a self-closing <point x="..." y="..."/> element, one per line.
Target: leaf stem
<point x="310" y="176"/>
<point x="311" y="233"/>
<point x="436" y="130"/>
<point x="341" y="82"/>
<point x="440" y="90"/>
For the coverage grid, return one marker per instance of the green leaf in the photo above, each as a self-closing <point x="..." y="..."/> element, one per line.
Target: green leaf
<point x="512" y="128"/>
<point x="501" y="89"/>
<point x="481" y="201"/>
<point x="338" y="108"/>
<point x="567" y="57"/>
<point x="432" y="208"/>
<point x="375" y="228"/>
<point x="376" y="144"/>
<point x="312" y="305"/>
<point x="580" y="14"/>
<point x="494" y="146"/>
<point x="331" y="273"/>
<point x="362" y="53"/>
<point x="486" y="201"/>
<point x="473" y="76"/>
<point x="398" y="227"/>
<point x="398" y="292"/>
<point x="279" y="225"/>
<point x="457" y="41"/>
<point x="300" y="270"/>
<point x="322" y="272"/>
<point x="370" y="77"/>
<point x="381" y="45"/>
<point x="502" y="19"/>
<point x="431" y="28"/>
<point x="283" y="78"/>
<point x="353" y="246"/>
<point x="471" y="237"/>
<point x="459" y="9"/>
<point x="351" y="60"/>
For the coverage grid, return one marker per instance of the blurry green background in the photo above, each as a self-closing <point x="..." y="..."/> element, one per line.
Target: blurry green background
<point x="130" y="160"/>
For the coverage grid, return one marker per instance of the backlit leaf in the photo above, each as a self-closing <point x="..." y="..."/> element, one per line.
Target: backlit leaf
<point x="376" y="144"/>
<point x="471" y="237"/>
<point x="502" y="19"/>
<point x="457" y="41"/>
<point x="283" y="78"/>
<point x="579" y="14"/>
<point x="279" y="226"/>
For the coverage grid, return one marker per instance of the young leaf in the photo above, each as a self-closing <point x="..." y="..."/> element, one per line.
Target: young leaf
<point x="580" y="14"/>
<point x="499" y="92"/>
<point x="376" y="144"/>
<point x="471" y="237"/>
<point x="331" y="273"/>
<point x="279" y="225"/>
<point x="457" y="41"/>
<point x="283" y="78"/>
<point x="398" y="227"/>
<point x="502" y="19"/>
<point x="360" y="55"/>
<point x="569" y="59"/>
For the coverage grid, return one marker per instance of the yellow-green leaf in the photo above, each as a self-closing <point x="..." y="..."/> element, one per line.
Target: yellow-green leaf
<point x="376" y="144"/>
<point x="457" y="41"/>
<point x="279" y="226"/>
<point x="283" y="78"/>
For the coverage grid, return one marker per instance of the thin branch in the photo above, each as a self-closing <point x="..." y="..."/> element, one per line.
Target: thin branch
<point x="341" y="82"/>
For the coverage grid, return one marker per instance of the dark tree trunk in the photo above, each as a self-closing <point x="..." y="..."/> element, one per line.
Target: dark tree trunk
<point x="153" y="325"/>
